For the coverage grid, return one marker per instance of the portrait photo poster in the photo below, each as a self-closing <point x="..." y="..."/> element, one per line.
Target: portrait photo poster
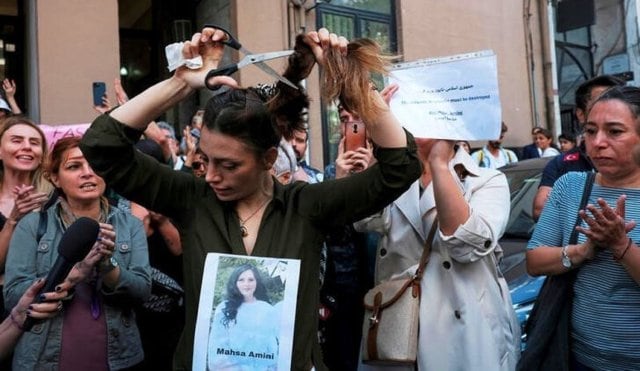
<point x="246" y="313"/>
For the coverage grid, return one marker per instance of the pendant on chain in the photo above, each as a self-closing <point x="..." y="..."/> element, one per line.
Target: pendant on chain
<point x="244" y="231"/>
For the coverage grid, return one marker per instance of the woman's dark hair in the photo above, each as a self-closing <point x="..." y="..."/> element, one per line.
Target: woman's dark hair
<point x="235" y="298"/>
<point x="243" y="114"/>
<point x="546" y="132"/>
<point x="630" y="95"/>
<point x="260" y="116"/>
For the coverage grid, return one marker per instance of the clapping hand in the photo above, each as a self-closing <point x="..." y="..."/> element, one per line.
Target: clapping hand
<point x="607" y="226"/>
<point x="26" y="201"/>
<point x="101" y="250"/>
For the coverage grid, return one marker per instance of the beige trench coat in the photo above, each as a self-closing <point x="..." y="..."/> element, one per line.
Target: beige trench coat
<point x="466" y="317"/>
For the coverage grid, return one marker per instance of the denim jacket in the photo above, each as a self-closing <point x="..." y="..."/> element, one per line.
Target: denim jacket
<point x="29" y="259"/>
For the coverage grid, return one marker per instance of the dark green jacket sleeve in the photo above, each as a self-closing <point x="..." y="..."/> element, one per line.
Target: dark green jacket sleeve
<point x="108" y="145"/>
<point x="344" y="201"/>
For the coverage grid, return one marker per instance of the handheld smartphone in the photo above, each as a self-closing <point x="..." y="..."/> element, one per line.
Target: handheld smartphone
<point x="355" y="136"/>
<point x="195" y="133"/>
<point x="99" y="90"/>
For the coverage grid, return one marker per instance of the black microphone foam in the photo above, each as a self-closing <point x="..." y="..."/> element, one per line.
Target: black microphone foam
<point x="74" y="245"/>
<point x="78" y="239"/>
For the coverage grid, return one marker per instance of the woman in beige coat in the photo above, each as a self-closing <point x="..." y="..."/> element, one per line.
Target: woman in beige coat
<point x="466" y="316"/>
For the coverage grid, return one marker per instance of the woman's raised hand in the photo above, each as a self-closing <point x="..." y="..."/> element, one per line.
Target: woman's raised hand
<point x="322" y="41"/>
<point x="208" y="45"/>
<point x="190" y="142"/>
<point x="9" y="87"/>
<point x="441" y="152"/>
<point x="388" y="92"/>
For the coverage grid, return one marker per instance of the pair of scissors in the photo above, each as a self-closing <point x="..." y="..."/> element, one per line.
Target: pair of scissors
<point x="249" y="58"/>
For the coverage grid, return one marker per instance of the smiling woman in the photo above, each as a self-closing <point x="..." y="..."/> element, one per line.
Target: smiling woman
<point x="22" y="186"/>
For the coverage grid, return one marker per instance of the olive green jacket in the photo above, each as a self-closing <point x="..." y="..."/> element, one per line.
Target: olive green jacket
<point x="293" y="225"/>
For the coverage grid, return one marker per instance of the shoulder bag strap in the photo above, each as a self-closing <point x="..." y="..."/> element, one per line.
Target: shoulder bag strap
<point x="588" y="185"/>
<point x="426" y="252"/>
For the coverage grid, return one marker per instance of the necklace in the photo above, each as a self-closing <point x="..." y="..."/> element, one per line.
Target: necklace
<point x="243" y="229"/>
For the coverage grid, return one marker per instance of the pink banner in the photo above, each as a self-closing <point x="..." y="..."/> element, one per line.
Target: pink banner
<point x="53" y="133"/>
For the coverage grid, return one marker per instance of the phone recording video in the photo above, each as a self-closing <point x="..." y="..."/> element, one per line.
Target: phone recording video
<point x="355" y="136"/>
<point x="99" y="90"/>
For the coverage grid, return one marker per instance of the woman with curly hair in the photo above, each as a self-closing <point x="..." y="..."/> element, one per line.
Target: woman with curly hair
<point x="244" y="322"/>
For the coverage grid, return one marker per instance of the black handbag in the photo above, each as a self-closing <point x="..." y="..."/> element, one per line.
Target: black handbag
<point x="548" y="328"/>
<point x="166" y="294"/>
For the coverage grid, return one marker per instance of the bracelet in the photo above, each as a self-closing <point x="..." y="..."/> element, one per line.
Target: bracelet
<point x="617" y="258"/>
<point x="11" y="221"/>
<point x="15" y="322"/>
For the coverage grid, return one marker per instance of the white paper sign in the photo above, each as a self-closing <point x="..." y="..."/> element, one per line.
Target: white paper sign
<point x="449" y="98"/>
<point x="246" y="313"/>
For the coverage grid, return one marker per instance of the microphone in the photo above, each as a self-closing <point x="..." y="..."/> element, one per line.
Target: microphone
<point x="74" y="245"/>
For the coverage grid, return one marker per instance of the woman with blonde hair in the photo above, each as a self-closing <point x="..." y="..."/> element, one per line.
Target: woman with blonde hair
<point x="23" y="149"/>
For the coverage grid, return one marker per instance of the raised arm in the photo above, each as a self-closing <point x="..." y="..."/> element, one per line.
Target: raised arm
<point x="153" y="102"/>
<point x="384" y="129"/>
<point x="453" y="209"/>
<point x="9" y="87"/>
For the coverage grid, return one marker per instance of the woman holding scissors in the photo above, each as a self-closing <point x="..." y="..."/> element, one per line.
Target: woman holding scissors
<point x="238" y="208"/>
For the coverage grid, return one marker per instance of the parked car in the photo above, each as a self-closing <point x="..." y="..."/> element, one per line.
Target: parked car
<point x="524" y="178"/>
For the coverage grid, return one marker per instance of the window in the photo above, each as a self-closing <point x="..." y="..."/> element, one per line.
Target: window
<point x="374" y="19"/>
<point x="574" y="66"/>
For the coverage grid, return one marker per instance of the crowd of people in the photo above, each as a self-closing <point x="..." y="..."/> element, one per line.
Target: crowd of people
<point x="238" y="183"/>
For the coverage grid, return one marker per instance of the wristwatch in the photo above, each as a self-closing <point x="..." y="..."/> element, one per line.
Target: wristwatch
<point x="566" y="262"/>
<point x="108" y="265"/>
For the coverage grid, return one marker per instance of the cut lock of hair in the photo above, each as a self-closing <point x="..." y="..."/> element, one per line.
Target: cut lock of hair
<point x="260" y="120"/>
<point x="289" y="105"/>
<point x="348" y="77"/>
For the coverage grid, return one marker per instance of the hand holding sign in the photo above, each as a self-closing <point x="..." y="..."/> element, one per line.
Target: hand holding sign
<point x="449" y="98"/>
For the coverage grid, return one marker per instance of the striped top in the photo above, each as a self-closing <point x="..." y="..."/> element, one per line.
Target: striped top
<point x="606" y="307"/>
